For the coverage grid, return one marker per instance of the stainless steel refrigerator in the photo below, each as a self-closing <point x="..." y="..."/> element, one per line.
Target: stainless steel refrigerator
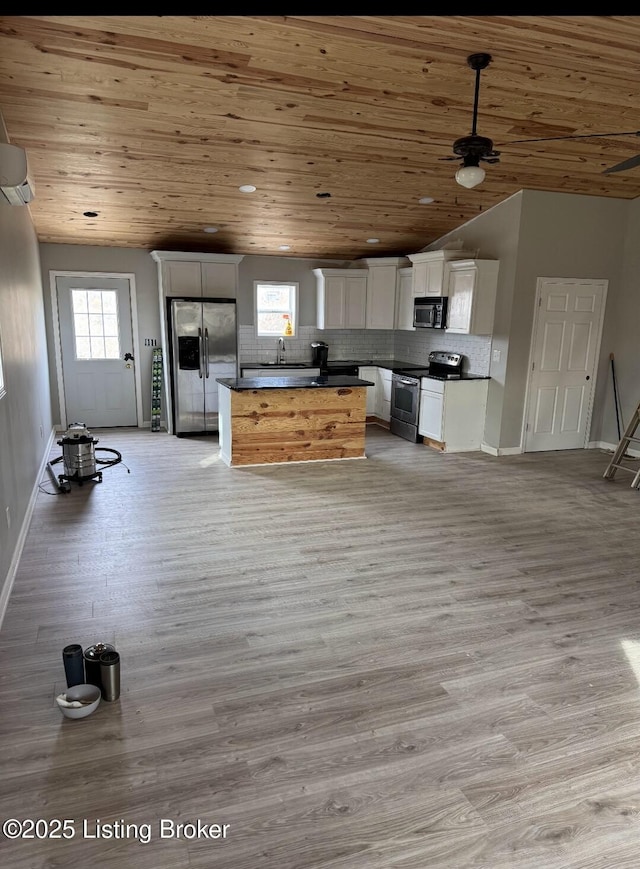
<point x="203" y="346"/>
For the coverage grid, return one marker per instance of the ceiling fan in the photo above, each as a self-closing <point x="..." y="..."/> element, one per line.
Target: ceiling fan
<point x="474" y="148"/>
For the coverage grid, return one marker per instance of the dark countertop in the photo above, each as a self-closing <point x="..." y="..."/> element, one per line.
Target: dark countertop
<point x="391" y="364"/>
<point x="424" y="372"/>
<point x="240" y="384"/>
<point x="411" y="369"/>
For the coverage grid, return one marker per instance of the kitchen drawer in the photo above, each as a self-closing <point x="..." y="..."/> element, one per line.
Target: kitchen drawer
<point x="432" y="385"/>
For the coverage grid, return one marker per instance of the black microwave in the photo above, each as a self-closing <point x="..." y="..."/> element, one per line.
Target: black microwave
<point x="430" y="312"/>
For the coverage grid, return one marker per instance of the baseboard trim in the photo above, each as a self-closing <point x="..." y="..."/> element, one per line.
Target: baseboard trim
<point x="501" y="451"/>
<point x="24" y="528"/>
<point x="604" y="445"/>
<point x="375" y="420"/>
<point x="492" y="451"/>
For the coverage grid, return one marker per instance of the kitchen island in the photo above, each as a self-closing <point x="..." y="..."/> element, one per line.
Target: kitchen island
<point x="267" y="420"/>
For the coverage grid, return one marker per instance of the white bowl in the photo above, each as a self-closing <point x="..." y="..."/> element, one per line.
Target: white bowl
<point x="84" y="693"/>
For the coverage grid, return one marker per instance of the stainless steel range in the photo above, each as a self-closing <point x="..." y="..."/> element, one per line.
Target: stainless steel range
<point x="405" y="391"/>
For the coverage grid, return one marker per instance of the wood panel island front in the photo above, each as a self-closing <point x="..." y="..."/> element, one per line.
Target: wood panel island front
<point x="266" y="420"/>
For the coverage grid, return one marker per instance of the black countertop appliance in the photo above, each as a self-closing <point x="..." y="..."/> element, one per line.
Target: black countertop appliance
<point x="319" y="353"/>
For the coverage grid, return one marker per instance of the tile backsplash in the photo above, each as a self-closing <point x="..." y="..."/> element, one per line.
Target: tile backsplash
<point x="416" y="346"/>
<point x="367" y="344"/>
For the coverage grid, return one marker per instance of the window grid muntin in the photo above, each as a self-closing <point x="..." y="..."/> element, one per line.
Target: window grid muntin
<point x="95" y="322"/>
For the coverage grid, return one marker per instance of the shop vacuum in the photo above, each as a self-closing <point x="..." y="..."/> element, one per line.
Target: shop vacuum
<point x="79" y="458"/>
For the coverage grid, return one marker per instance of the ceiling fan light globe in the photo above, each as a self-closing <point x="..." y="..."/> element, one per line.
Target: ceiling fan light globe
<point x="470" y="176"/>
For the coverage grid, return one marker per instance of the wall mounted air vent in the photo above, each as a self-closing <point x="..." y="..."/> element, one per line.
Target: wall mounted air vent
<point x="16" y="187"/>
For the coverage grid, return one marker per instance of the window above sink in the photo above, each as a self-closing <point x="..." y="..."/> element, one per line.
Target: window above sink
<point x="276" y="305"/>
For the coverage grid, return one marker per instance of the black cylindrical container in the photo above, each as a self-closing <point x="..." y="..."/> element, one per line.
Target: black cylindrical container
<point x="92" y="662"/>
<point x="73" y="664"/>
<point x="110" y="673"/>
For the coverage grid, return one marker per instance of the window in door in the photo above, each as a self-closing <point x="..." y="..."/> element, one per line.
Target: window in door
<point x="95" y="324"/>
<point x="276" y="309"/>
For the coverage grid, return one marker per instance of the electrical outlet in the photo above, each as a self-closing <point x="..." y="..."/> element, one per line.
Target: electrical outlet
<point x="8" y="515"/>
<point x="496" y="355"/>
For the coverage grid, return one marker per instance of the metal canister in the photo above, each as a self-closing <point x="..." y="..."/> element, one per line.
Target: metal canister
<point x="92" y="662"/>
<point x="110" y="671"/>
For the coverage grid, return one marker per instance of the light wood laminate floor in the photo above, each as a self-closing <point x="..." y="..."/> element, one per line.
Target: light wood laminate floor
<point x="406" y="661"/>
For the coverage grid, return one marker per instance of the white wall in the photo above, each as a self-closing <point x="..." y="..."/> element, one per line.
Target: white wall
<point x="25" y="410"/>
<point x="623" y="334"/>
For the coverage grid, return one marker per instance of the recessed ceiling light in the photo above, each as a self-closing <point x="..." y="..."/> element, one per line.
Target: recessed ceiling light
<point x="247" y="188"/>
<point x="210" y="229"/>
<point x="285" y="247"/>
<point x="373" y="241"/>
<point x="425" y="200"/>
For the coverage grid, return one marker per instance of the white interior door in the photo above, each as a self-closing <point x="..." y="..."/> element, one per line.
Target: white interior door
<point x="96" y="348"/>
<point x="566" y="342"/>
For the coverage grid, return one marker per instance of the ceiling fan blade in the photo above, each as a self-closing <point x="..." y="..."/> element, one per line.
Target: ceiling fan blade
<point x="579" y="136"/>
<point x="631" y="163"/>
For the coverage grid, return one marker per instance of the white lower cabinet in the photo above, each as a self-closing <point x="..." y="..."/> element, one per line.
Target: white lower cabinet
<point x="370" y="372"/>
<point x="452" y="413"/>
<point x="378" y="396"/>
<point x="384" y="394"/>
<point x="431" y="408"/>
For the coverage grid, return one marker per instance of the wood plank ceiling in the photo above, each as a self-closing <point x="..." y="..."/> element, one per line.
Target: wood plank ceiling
<point x="154" y="123"/>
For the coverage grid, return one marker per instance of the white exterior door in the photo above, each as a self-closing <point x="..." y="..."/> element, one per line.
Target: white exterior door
<point x="566" y="342"/>
<point x="96" y="337"/>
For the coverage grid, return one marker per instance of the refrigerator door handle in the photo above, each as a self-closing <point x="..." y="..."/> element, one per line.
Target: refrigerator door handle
<point x="206" y="351"/>
<point x="200" y="352"/>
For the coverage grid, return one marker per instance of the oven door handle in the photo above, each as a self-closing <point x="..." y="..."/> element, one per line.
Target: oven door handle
<point x="408" y="382"/>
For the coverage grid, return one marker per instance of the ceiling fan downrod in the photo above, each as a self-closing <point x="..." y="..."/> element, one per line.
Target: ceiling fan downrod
<point x="477" y="62"/>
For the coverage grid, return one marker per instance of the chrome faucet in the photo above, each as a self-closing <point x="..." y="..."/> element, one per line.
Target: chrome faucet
<point x="280" y="351"/>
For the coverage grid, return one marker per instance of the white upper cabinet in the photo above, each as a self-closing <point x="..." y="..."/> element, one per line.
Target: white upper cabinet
<point x="182" y="278"/>
<point x="341" y="298"/>
<point x="381" y="291"/>
<point x="430" y="271"/>
<point x="404" y="300"/>
<point x="197" y="275"/>
<point x="472" y="286"/>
